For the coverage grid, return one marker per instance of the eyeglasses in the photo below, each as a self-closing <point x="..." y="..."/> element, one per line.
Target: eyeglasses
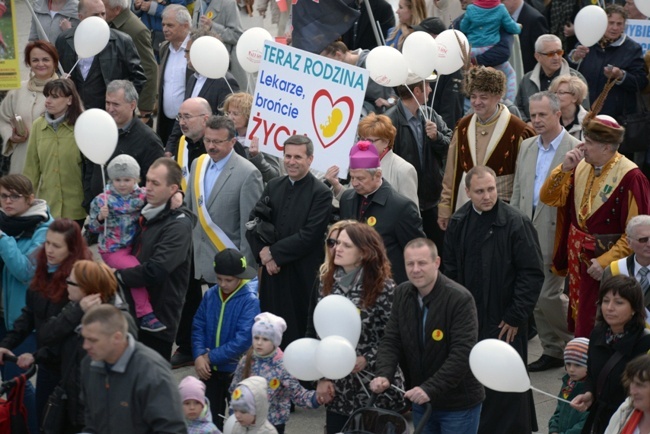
<point x="641" y="240"/>
<point x="71" y="283"/>
<point x="214" y="142"/>
<point x="373" y="141"/>
<point x="551" y="54"/>
<point x="331" y="242"/>
<point x="12" y="196"/>
<point x="180" y="117"/>
<point x="563" y="92"/>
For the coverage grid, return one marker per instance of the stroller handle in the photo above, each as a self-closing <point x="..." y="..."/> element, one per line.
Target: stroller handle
<point x="428" y="409"/>
<point x="9" y="358"/>
<point x="29" y="373"/>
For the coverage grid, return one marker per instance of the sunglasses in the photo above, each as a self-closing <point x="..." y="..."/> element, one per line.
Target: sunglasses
<point x="552" y="54"/>
<point x="331" y="242"/>
<point x="641" y="240"/>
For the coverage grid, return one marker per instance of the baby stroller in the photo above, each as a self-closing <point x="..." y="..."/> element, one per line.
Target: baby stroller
<point x="13" y="415"/>
<point x="373" y="420"/>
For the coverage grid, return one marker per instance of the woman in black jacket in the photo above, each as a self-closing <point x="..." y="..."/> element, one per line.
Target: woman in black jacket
<point x="618" y="337"/>
<point x="90" y="284"/>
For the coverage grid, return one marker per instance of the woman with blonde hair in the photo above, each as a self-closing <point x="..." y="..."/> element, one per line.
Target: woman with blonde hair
<point x="409" y="13"/>
<point x="571" y="91"/>
<point x="237" y="107"/>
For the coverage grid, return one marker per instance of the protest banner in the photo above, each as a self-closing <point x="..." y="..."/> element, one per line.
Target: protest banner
<point x="639" y="31"/>
<point x="9" y="54"/>
<point x="298" y="92"/>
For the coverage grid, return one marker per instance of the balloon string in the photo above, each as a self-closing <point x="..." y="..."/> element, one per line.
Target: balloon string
<point x="73" y="67"/>
<point x="362" y="385"/>
<point x="419" y="106"/>
<point x="105" y="201"/>
<point x="550" y="394"/>
<point x="225" y="78"/>
<point x="433" y="97"/>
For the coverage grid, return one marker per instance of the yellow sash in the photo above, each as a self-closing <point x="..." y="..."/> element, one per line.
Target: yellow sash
<point x="182" y="159"/>
<point x="217" y="236"/>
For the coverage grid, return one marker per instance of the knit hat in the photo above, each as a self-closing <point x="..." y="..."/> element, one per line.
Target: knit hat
<point x="603" y="129"/>
<point x="192" y="388"/>
<point x="576" y="351"/>
<point x="487" y="4"/>
<point x="269" y="326"/>
<point x="229" y="262"/>
<point x="364" y="155"/>
<point x="243" y="400"/>
<point x="482" y="79"/>
<point x="123" y="166"/>
<point x="430" y="25"/>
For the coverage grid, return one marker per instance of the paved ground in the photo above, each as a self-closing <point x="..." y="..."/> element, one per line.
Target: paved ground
<point x="312" y="421"/>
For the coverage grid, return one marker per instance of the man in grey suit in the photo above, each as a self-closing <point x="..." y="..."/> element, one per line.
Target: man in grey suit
<point x="537" y="157"/>
<point x="222" y="190"/>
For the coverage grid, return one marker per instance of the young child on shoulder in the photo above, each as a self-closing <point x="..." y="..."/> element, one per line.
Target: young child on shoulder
<point x="567" y="420"/>
<point x="118" y="209"/>
<point x="196" y="407"/>
<point x="482" y="25"/>
<point x="221" y="329"/>
<point x="250" y="404"/>
<point x="265" y="359"/>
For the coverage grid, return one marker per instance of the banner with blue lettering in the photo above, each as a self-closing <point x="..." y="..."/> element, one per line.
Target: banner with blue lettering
<point x="639" y="31"/>
<point x="298" y="92"/>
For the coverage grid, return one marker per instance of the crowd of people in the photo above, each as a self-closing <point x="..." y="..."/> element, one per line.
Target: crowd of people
<point x="504" y="205"/>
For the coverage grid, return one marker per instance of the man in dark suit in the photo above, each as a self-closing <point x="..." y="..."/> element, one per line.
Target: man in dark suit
<point x="533" y="25"/>
<point x="361" y="34"/>
<point x="214" y="91"/>
<point x="174" y="72"/>
<point x="118" y="61"/>
<point x="375" y="202"/>
<point x="301" y="207"/>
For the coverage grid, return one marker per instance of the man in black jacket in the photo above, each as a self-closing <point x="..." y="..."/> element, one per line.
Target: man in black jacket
<point x="431" y="331"/>
<point x="119" y="60"/>
<point x="134" y="139"/>
<point x="163" y="245"/>
<point x="491" y="248"/>
<point x="361" y="34"/>
<point x="423" y="140"/>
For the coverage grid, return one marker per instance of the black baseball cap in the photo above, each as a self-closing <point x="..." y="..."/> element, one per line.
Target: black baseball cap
<point x="431" y="25"/>
<point x="230" y="262"/>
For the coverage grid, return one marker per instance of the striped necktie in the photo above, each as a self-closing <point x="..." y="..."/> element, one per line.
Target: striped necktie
<point x="643" y="279"/>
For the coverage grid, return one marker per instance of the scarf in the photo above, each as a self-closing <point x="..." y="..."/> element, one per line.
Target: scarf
<point x="36" y="85"/>
<point x="24" y="225"/>
<point x="54" y="123"/>
<point x="566" y="390"/>
<point x="632" y="422"/>
<point x="605" y="42"/>
<point x="611" y="337"/>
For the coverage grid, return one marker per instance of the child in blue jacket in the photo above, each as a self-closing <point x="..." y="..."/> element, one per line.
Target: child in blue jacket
<point x="221" y="330"/>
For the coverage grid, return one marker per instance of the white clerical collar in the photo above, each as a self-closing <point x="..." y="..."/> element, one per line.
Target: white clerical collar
<point x="477" y="211"/>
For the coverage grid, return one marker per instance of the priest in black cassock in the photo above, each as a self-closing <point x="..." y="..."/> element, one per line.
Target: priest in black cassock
<point x="491" y="248"/>
<point x="300" y="207"/>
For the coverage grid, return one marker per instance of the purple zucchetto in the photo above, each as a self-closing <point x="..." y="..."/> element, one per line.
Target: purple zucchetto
<point x="364" y="155"/>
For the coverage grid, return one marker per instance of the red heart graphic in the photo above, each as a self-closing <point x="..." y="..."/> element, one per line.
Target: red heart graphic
<point x="344" y="99"/>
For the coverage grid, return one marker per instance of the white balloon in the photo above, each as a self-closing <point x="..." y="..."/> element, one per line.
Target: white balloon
<point x="209" y="57"/>
<point x="250" y="48"/>
<point x="497" y="365"/>
<point x="419" y="51"/>
<point x="449" y="56"/>
<point x="335" y="357"/>
<point x="300" y="359"/>
<point x="91" y="37"/>
<point x="336" y="315"/>
<point x="643" y="6"/>
<point x="96" y="135"/>
<point x="590" y="25"/>
<point x="387" y="66"/>
<point x="229" y="424"/>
